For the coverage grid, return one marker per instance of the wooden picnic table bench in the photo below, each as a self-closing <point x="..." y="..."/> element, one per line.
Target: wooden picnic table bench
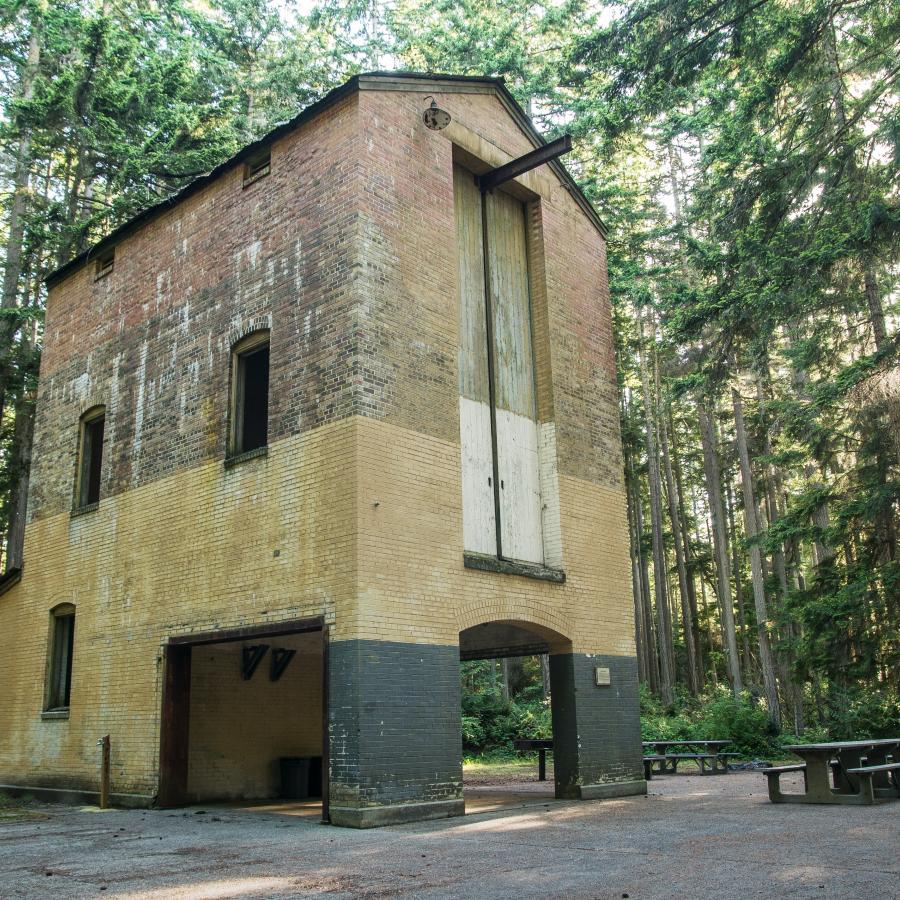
<point x="542" y="745"/>
<point x="773" y="776"/>
<point x="866" y="774"/>
<point x="865" y="753"/>
<point x="648" y="764"/>
<point x="711" y="759"/>
<point x="843" y="759"/>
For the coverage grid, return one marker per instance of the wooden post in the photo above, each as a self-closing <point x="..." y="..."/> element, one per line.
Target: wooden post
<point x="104" y="772"/>
<point x="175" y="726"/>
<point x="326" y="733"/>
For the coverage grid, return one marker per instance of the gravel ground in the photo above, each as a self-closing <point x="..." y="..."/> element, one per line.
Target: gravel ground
<point x="692" y="837"/>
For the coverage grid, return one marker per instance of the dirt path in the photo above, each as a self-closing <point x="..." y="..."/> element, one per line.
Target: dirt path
<point x="691" y="837"/>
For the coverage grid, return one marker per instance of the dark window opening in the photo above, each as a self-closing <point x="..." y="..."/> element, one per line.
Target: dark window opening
<point x="252" y="396"/>
<point x="105" y="263"/>
<point x="91" y="460"/>
<point x="257" y="166"/>
<point x="63" y="643"/>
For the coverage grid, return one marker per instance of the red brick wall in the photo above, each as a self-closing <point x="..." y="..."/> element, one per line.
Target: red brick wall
<point x="152" y="340"/>
<point x="409" y="288"/>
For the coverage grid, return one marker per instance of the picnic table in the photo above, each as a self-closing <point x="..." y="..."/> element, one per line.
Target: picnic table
<point x="711" y="759"/>
<point x="542" y="745"/>
<point x="849" y="762"/>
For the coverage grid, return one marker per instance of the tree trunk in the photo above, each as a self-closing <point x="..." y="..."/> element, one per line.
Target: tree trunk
<point x="504" y="679"/>
<point x="640" y="635"/>
<point x="738" y="585"/>
<point x="792" y="690"/>
<point x="20" y="466"/>
<point x="688" y="555"/>
<point x="751" y="527"/>
<point x="713" y="674"/>
<point x="12" y="270"/>
<point x="870" y="281"/>
<point x="646" y="610"/>
<point x="21" y="181"/>
<point x="545" y="675"/>
<point x="720" y="545"/>
<point x="873" y="300"/>
<point x="664" y="626"/>
<point x="690" y="643"/>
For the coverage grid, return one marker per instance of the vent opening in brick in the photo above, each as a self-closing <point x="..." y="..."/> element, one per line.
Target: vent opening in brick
<point x="258" y="166"/>
<point x="104" y="264"/>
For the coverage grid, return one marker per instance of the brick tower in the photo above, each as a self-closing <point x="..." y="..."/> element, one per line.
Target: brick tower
<point x="308" y="433"/>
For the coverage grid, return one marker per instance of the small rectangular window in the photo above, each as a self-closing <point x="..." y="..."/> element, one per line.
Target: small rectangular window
<point x="257" y="166"/>
<point x="251" y="398"/>
<point x="105" y="263"/>
<point x="62" y="644"/>
<point x="91" y="459"/>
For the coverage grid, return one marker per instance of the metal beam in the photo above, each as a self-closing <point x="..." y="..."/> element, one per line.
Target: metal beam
<point x="495" y="177"/>
<point x="491" y="367"/>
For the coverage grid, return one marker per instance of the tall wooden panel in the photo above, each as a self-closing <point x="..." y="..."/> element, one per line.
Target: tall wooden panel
<point x="517" y="433"/>
<point x="514" y="388"/>
<point x="479" y="529"/>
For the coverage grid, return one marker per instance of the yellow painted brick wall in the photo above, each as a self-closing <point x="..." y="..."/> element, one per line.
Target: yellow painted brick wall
<point x="188" y="553"/>
<point x="412" y="582"/>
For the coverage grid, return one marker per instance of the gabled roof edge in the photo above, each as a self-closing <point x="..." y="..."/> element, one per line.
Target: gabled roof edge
<point x="371" y="80"/>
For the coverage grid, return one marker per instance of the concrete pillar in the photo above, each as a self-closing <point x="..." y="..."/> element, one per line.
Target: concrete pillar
<point x="596" y="728"/>
<point x="394" y="733"/>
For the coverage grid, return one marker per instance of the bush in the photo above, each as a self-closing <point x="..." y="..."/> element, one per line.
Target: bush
<point x="717" y="715"/>
<point x="856" y="713"/>
<point x="490" y="724"/>
<point x="849" y="714"/>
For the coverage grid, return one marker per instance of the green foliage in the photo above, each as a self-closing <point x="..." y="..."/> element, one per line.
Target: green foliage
<point x="489" y="723"/>
<point x="855" y="713"/>
<point x="718" y="715"/>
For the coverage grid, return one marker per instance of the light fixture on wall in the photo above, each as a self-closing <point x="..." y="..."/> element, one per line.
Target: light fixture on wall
<point x="435" y="118"/>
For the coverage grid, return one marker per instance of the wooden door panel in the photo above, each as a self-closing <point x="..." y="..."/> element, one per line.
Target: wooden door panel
<point x="520" y="494"/>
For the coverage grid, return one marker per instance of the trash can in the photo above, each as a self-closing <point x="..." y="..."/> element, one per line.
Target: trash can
<point x="301" y="777"/>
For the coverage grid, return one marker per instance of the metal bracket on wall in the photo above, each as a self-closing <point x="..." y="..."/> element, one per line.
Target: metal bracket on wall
<point x="500" y="175"/>
<point x="281" y="657"/>
<point x="251" y="657"/>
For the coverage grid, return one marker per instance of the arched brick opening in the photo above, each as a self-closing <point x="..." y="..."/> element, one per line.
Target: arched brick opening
<point x="484" y="638"/>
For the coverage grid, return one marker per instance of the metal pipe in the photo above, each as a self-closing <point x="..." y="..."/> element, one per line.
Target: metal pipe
<point x="492" y="393"/>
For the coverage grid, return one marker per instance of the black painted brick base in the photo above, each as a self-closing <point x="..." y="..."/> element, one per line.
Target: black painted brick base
<point x="394" y="723"/>
<point x="394" y="726"/>
<point x="596" y="729"/>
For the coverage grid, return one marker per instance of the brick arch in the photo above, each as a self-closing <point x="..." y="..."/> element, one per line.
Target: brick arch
<point x="241" y="329"/>
<point x="550" y="624"/>
<point x="63" y="608"/>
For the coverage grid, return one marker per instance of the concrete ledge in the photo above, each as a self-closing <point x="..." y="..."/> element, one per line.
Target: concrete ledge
<point x="73" y="796"/>
<point x="376" y="816"/>
<point x="486" y="563"/>
<point x="613" y="789"/>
